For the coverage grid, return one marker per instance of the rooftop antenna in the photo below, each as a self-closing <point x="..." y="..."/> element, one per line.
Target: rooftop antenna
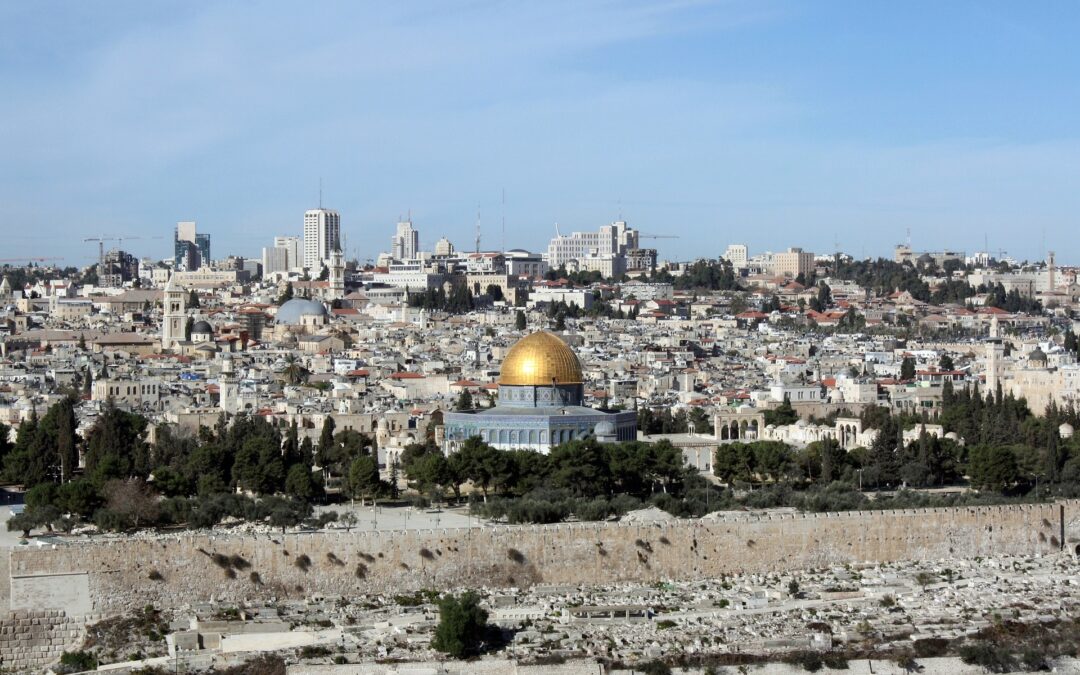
<point x="320" y="192"/>
<point x="477" y="227"/>
<point x="909" y="237"/>
<point x="504" y="220"/>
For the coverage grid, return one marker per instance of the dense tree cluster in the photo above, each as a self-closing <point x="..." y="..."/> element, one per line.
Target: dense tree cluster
<point x="1011" y="301"/>
<point x="663" y="421"/>
<point x="712" y="275"/>
<point x="585" y="478"/>
<point x="1007" y="451"/>
<point x="179" y="480"/>
<point x="458" y="301"/>
<point x="883" y="276"/>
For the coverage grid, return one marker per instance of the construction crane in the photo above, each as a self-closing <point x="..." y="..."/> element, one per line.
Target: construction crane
<point x="119" y="244"/>
<point x="101" y="247"/>
<point x="658" y="236"/>
<point x="18" y="260"/>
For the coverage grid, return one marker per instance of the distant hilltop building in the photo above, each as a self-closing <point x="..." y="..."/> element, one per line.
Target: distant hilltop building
<point x="611" y="241"/>
<point x="191" y="250"/>
<point x="903" y="253"/>
<point x="792" y="263"/>
<point x="444" y="248"/>
<point x="541" y="394"/>
<point x="322" y="234"/>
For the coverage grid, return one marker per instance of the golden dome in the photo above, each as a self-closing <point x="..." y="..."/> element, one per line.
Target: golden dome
<point x="540" y="359"/>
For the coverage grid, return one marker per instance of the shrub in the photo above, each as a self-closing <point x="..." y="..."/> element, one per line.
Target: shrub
<point x="426" y="554"/>
<point x="155" y="576"/>
<point x="75" y="662"/>
<point x="930" y="647"/>
<point x="992" y="657"/>
<point x="334" y="560"/>
<point x="515" y="555"/>
<point x="361" y="570"/>
<point x="313" y="651"/>
<point x="303" y="562"/>
<point x="654" y="667"/>
<point x="255" y="578"/>
<point x="810" y="661"/>
<point x="664" y="624"/>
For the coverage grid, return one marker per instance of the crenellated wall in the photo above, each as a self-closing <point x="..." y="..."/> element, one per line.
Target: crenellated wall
<point x="109" y="577"/>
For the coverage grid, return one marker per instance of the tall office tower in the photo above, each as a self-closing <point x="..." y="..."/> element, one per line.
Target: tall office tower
<point x="406" y="243"/>
<point x="322" y="234"/>
<point x="190" y="250"/>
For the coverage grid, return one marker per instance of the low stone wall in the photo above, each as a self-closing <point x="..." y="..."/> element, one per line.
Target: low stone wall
<point x="30" y="640"/>
<point x="114" y="576"/>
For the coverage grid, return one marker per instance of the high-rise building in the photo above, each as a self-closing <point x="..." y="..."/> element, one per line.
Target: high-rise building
<point x="190" y="250"/>
<point x="405" y="244"/>
<point x="322" y="234"/>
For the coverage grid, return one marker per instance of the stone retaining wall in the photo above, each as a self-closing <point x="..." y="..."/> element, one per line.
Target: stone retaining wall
<point x="33" y="639"/>
<point x="122" y="575"/>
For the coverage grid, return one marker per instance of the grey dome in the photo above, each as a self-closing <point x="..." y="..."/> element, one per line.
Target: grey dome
<point x="291" y="312"/>
<point x="604" y="428"/>
<point x="202" y="327"/>
<point x="1037" y="354"/>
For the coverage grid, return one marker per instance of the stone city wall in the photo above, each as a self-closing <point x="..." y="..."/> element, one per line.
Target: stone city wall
<point x="107" y="577"/>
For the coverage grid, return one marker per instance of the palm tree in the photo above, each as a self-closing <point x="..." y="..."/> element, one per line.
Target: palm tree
<point x="294" y="371"/>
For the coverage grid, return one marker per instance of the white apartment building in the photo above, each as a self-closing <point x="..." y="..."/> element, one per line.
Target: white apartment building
<point x="737" y="255"/>
<point x="521" y="263"/>
<point x="322" y="234"/>
<point x="405" y="244"/>
<point x="612" y="239"/>
<point x="412" y="275"/>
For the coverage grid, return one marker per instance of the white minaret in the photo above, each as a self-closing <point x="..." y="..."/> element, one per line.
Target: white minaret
<point x="994" y="352"/>
<point x="172" y="324"/>
<point x="228" y="386"/>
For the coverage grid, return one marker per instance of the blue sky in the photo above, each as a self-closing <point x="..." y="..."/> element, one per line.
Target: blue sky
<point x="766" y="122"/>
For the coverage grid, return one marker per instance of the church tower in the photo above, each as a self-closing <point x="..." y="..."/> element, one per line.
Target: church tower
<point x="172" y="323"/>
<point x="337" y="275"/>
